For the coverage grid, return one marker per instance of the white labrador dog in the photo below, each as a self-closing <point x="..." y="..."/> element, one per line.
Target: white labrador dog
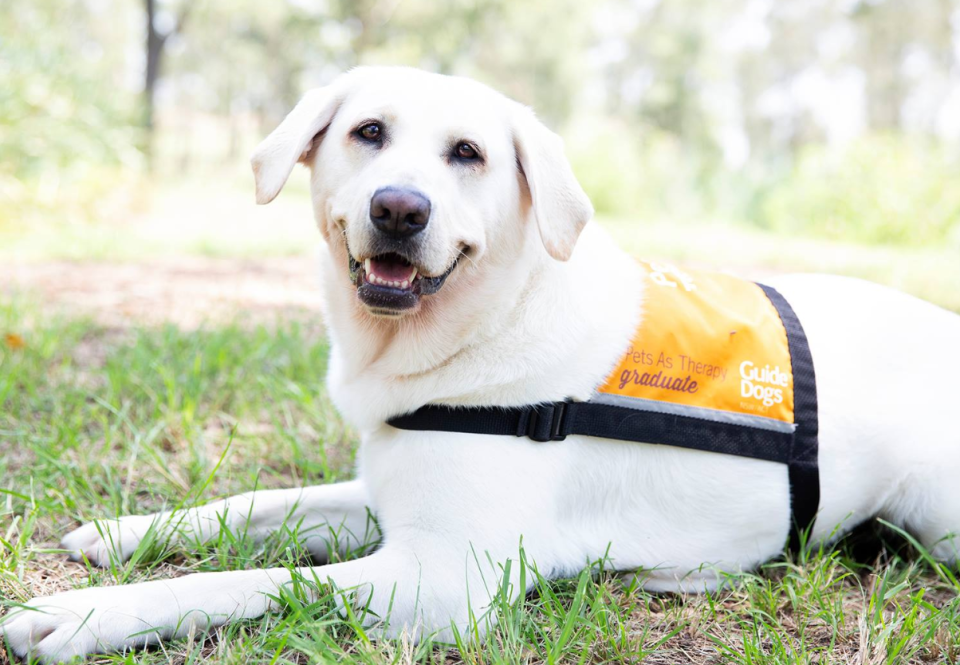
<point x="450" y="276"/>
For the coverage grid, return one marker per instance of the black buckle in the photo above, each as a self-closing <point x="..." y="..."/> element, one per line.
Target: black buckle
<point x="545" y="422"/>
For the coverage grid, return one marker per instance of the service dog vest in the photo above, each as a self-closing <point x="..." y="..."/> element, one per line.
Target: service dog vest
<point x="717" y="364"/>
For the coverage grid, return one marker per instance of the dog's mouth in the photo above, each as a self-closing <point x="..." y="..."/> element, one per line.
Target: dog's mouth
<point x="389" y="283"/>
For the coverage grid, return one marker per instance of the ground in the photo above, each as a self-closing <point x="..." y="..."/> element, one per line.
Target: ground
<point x="185" y="291"/>
<point x="127" y="385"/>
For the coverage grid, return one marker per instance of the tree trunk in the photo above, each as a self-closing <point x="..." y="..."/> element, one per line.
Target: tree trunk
<point x="155" y="42"/>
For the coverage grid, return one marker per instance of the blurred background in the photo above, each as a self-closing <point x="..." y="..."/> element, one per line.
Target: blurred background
<point x="759" y="135"/>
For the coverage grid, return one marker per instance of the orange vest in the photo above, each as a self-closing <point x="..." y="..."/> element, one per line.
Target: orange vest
<point x="717" y="364"/>
<point x="709" y="346"/>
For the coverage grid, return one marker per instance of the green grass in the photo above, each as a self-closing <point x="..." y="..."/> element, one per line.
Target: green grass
<point x="98" y="422"/>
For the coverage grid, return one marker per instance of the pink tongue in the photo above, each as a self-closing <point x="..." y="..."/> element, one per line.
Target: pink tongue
<point x="390" y="270"/>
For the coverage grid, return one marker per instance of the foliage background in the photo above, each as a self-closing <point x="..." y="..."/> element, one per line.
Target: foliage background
<point x="836" y="119"/>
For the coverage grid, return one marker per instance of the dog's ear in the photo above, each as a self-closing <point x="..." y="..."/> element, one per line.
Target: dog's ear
<point x="295" y="139"/>
<point x="559" y="203"/>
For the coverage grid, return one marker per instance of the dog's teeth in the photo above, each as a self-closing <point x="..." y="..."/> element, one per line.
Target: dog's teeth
<point x="374" y="278"/>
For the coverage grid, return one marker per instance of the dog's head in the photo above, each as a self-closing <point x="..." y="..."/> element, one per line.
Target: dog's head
<point x="419" y="177"/>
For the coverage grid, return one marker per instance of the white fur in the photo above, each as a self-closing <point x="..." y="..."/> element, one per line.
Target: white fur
<point x="512" y="326"/>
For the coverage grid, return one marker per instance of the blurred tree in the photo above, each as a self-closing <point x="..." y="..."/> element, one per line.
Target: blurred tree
<point x="67" y="120"/>
<point x="703" y="108"/>
<point x="903" y="48"/>
<point x="160" y="26"/>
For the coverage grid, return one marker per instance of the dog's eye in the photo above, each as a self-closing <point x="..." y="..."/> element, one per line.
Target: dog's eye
<point x="370" y="132"/>
<point x="466" y="152"/>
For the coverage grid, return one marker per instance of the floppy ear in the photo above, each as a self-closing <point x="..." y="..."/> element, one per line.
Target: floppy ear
<point x="293" y="140"/>
<point x="559" y="203"/>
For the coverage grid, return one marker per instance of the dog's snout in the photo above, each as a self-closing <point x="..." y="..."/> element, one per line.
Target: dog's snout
<point x="399" y="212"/>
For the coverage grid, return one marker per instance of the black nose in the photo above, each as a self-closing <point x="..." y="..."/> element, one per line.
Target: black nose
<point x="399" y="212"/>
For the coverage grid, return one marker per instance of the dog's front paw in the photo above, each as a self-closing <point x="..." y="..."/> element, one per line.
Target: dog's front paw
<point x="56" y="628"/>
<point x="104" y="619"/>
<point x="110" y="539"/>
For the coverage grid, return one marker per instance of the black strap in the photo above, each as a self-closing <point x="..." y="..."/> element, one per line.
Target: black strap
<point x="555" y="421"/>
<point x="803" y="468"/>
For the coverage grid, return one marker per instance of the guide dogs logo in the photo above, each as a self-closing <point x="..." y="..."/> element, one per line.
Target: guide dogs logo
<point x="761" y="384"/>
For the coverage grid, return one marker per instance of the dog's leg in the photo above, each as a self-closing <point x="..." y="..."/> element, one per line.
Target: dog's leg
<point x="326" y="517"/>
<point x="927" y="505"/>
<point x="400" y="590"/>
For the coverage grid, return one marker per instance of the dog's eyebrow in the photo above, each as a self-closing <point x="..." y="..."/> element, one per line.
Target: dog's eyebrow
<point x="455" y="137"/>
<point x="384" y="114"/>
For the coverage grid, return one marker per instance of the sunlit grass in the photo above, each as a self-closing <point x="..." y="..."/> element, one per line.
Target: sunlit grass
<point x="98" y="423"/>
<point x="930" y="273"/>
<point x="211" y="214"/>
<point x="214" y="215"/>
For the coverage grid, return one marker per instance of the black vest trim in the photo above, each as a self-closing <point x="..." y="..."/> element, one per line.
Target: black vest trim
<point x="803" y="464"/>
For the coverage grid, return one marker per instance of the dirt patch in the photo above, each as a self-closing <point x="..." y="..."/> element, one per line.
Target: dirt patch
<point x="186" y="292"/>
